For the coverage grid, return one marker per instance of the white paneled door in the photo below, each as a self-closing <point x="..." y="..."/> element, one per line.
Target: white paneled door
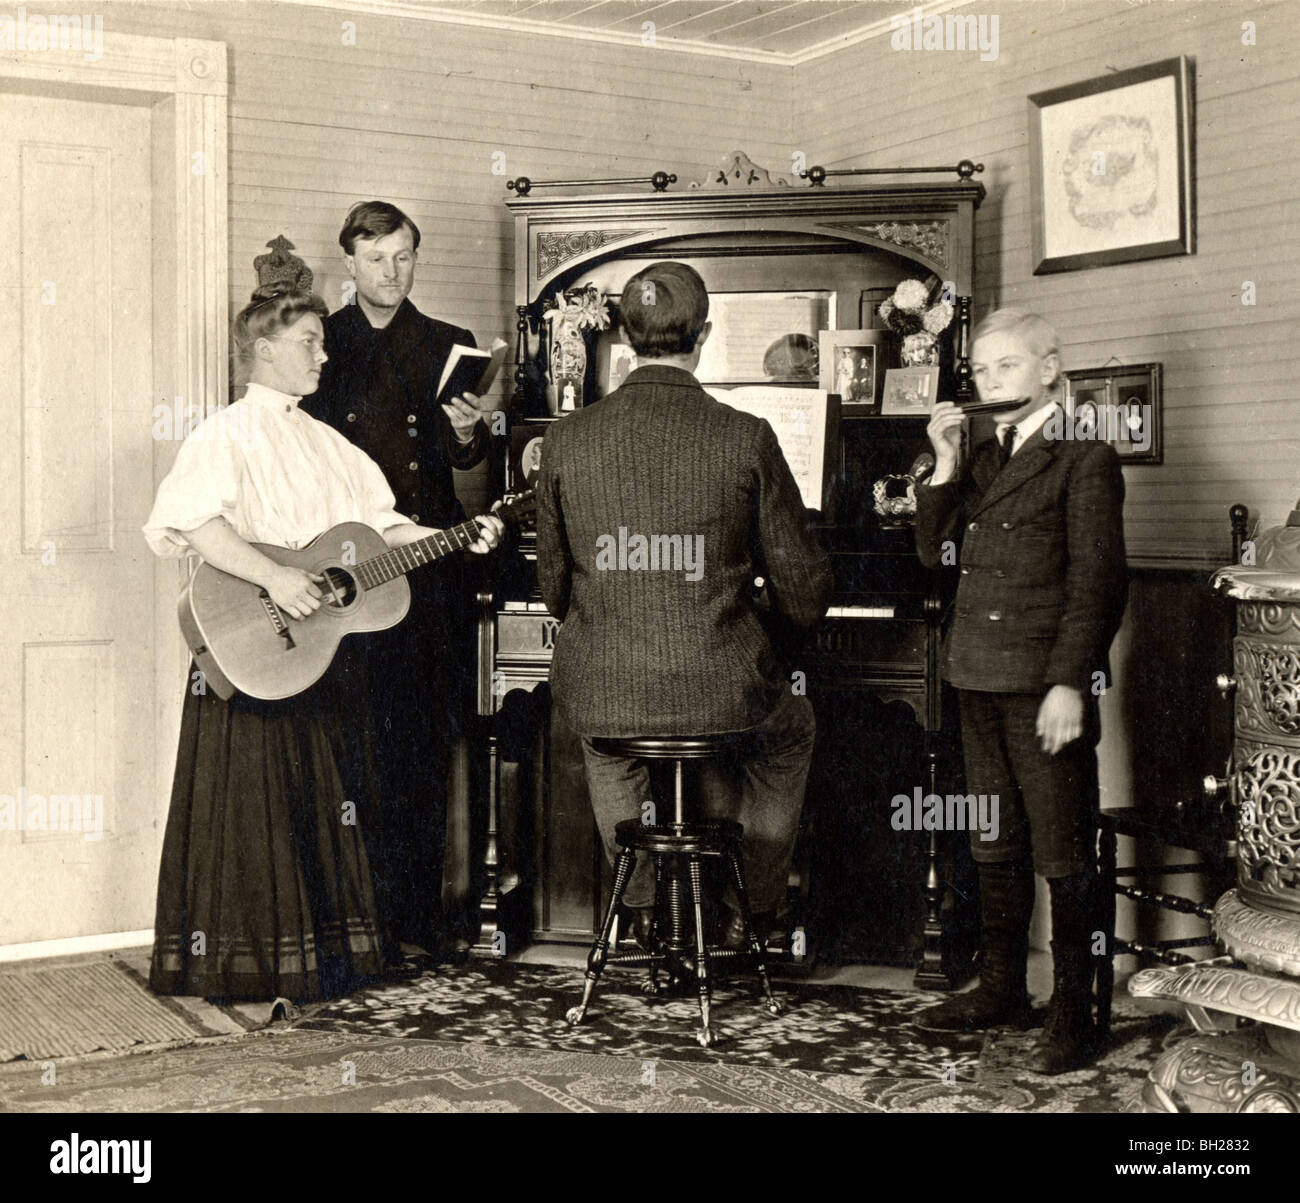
<point x="80" y="819"/>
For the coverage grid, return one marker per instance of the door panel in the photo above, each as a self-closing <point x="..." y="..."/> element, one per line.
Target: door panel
<point x="80" y="820"/>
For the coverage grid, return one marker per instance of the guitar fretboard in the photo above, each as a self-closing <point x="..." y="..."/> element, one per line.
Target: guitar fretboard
<point x="397" y="561"/>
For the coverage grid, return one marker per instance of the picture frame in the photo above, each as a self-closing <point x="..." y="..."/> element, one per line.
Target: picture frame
<point x="852" y="364"/>
<point x="525" y="454"/>
<point x="622" y="363"/>
<point x="1120" y="404"/>
<point x="910" y="392"/>
<point x="1111" y="168"/>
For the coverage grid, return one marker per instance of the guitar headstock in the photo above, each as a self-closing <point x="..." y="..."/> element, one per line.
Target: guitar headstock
<point x="514" y="511"/>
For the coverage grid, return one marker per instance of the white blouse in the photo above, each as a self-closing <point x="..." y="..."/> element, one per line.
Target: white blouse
<point x="276" y="474"/>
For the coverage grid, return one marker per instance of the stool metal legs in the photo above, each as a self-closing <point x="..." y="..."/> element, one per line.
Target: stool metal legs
<point x="757" y="945"/>
<point x="600" y="950"/>
<point x="678" y="852"/>
<point x="701" y="951"/>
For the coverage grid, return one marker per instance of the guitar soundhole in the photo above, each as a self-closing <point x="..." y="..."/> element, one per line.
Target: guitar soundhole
<point x="340" y="588"/>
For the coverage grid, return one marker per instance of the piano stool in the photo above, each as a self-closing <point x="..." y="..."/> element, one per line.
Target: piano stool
<point x="678" y="849"/>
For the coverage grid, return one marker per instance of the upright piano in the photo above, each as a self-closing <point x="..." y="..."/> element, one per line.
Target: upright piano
<point x="862" y="888"/>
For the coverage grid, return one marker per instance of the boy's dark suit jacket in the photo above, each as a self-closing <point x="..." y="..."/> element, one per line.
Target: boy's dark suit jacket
<point x="1043" y="573"/>
<point x="652" y="653"/>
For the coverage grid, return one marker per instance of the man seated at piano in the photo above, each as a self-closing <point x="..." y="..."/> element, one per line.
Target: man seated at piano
<point x="681" y="646"/>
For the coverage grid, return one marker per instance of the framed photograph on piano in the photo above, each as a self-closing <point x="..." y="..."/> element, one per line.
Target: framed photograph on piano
<point x="525" y="455"/>
<point x="852" y="363"/>
<point x="910" y="391"/>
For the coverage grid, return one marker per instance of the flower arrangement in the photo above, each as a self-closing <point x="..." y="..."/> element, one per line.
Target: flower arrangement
<point x="583" y="307"/>
<point x="909" y="310"/>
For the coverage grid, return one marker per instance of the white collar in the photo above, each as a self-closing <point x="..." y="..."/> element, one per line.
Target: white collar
<point x="271" y="398"/>
<point x="1028" y="427"/>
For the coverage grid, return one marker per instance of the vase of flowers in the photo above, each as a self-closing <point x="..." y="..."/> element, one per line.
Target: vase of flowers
<point x="572" y="317"/>
<point x="918" y="320"/>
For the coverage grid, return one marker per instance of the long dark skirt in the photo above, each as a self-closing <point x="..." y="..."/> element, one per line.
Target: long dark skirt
<point x="265" y="887"/>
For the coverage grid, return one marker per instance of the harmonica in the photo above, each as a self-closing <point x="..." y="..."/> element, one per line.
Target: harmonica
<point x="993" y="407"/>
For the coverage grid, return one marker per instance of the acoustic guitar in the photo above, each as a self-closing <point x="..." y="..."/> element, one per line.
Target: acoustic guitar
<point x="242" y="641"/>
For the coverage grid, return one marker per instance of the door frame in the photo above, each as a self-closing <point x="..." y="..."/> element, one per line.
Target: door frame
<point x="183" y="82"/>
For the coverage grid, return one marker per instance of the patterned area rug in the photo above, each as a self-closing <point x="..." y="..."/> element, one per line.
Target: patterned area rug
<point x="860" y="1044"/>
<point x="66" y="1010"/>
<point x="493" y="1038"/>
<point x="332" y="1071"/>
<point x="833" y="1029"/>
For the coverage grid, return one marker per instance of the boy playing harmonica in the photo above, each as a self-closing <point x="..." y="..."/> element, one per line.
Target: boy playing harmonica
<point x="1038" y="521"/>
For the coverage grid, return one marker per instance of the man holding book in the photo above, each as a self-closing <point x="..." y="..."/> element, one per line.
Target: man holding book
<point x="380" y="388"/>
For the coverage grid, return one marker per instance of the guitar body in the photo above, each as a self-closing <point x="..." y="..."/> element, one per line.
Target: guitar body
<point x="243" y="642"/>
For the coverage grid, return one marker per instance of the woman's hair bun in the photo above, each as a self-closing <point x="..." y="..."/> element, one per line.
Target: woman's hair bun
<point x="269" y="292"/>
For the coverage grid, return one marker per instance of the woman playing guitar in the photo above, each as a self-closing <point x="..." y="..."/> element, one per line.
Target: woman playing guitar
<point x="265" y="888"/>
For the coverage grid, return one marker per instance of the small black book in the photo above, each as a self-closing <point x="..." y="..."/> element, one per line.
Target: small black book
<point x="470" y="370"/>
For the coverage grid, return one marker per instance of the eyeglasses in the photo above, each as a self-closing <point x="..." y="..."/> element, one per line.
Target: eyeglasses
<point x="311" y="342"/>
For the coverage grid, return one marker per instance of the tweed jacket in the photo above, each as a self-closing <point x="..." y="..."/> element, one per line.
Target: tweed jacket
<point x="648" y="650"/>
<point x="1043" y="573"/>
<point x="375" y="382"/>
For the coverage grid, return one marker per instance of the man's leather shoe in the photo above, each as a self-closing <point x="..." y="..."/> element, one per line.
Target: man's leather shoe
<point x="732" y="929"/>
<point x="635" y="924"/>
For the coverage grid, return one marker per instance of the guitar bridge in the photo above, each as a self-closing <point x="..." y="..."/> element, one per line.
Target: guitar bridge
<point x="277" y="619"/>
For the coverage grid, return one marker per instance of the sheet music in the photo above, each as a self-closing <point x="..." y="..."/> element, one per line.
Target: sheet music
<point x="798" y="416"/>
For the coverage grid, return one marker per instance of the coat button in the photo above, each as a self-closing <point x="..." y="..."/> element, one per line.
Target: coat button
<point x="415" y="517"/>
<point x="412" y="431"/>
<point x="973" y="526"/>
<point x="1008" y="526"/>
<point x="415" y="467"/>
<point x="352" y="417"/>
<point x="997" y="572"/>
<point x="965" y="571"/>
<point x="995" y="616"/>
<point x="411" y="419"/>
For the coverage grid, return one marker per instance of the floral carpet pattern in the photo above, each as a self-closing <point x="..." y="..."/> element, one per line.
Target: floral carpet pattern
<point x="832" y="1029"/>
<point x="493" y="1038"/>
<point x="295" y="1071"/>
<point x="859" y="1044"/>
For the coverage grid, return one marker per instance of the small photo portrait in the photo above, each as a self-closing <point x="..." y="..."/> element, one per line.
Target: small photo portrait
<point x="622" y="363"/>
<point x="852" y="364"/>
<point x="526" y="455"/>
<point x="568" y="393"/>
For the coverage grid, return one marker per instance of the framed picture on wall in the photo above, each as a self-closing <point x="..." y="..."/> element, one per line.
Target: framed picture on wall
<point x="1120" y="406"/>
<point x="1111" y="168"/>
<point x="852" y="363"/>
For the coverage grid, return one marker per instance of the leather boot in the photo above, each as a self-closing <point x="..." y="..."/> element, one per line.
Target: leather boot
<point x="1069" y="1038"/>
<point x="1006" y="905"/>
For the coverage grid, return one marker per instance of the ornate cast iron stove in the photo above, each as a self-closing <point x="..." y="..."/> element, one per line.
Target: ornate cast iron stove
<point x="1246" y="1005"/>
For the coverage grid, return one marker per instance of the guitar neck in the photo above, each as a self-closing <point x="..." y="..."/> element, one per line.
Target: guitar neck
<point x="397" y="561"/>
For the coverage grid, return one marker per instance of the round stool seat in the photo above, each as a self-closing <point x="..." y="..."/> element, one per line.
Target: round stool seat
<point x="707" y="837"/>
<point x="664" y="747"/>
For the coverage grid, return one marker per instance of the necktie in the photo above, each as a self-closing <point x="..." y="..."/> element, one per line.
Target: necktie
<point x="1008" y="442"/>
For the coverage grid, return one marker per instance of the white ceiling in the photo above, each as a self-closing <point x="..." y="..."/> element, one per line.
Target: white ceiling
<point x="780" y="31"/>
